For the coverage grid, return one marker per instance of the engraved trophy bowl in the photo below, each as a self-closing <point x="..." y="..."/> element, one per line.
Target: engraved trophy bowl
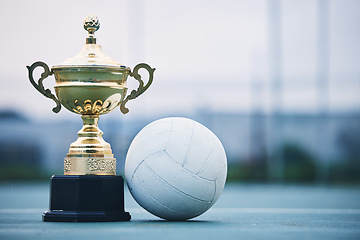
<point x="90" y="84"/>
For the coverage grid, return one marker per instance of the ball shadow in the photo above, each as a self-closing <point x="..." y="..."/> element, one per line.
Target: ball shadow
<point x="162" y="221"/>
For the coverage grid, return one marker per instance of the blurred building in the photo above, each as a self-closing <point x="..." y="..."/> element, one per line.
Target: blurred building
<point x="246" y="138"/>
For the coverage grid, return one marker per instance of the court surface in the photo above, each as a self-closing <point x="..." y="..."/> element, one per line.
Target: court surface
<point x="244" y="211"/>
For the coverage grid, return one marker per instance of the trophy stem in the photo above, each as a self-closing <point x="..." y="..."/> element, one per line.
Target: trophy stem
<point x="90" y="154"/>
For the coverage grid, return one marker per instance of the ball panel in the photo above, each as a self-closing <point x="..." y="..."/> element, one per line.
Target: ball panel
<point x="149" y="203"/>
<point x="200" y="148"/>
<point x="220" y="183"/>
<point x="180" y="139"/>
<point x="142" y="147"/>
<point x="215" y="163"/>
<point x="167" y="196"/>
<point x="181" y="179"/>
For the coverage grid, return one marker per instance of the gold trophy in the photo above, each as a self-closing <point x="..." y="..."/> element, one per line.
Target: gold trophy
<point x="90" y="84"/>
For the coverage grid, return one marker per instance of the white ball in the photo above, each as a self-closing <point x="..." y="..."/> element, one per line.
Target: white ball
<point x="176" y="168"/>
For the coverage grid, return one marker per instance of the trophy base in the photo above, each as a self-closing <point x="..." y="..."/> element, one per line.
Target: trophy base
<point x="86" y="198"/>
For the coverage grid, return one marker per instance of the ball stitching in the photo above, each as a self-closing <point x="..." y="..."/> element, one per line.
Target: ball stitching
<point x="175" y="188"/>
<point x="188" y="148"/>
<point x="156" y="199"/>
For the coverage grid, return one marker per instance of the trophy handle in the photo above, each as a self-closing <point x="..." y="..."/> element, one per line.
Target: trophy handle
<point x="39" y="86"/>
<point x="141" y="89"/>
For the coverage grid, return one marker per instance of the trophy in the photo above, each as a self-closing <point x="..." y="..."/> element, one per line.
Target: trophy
<point x="89" y="84"/>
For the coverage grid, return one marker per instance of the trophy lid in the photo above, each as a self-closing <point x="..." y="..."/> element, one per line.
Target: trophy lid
<point x="91" y="55"/>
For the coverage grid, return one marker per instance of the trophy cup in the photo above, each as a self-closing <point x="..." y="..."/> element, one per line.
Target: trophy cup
<point x="90" y="84"/>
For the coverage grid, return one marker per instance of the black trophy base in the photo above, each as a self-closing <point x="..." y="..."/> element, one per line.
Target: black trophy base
<point x="86" y="198"/>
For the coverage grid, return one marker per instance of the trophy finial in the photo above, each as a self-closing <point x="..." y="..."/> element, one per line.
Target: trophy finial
<point x="91" y="24"/>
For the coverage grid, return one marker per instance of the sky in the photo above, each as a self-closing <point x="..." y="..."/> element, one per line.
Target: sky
<point x="209" y="55"/>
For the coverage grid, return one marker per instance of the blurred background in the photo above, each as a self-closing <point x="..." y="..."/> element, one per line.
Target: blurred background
<point x="277" y="81"/>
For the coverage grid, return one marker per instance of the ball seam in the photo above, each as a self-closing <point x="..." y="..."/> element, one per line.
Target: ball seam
<point x="188" y="149"/>
<point x="203" y="178"/>
<point x="156" y="199"/>
<point x="164" y="181"/>
<point x="203" y="165"/>
<point x="132" y="176"/>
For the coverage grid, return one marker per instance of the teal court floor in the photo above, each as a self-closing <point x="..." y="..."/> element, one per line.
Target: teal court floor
<point x="244" y="211"/>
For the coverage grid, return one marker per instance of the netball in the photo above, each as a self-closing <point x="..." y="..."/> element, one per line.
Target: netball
<point x="176" y="168"/>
